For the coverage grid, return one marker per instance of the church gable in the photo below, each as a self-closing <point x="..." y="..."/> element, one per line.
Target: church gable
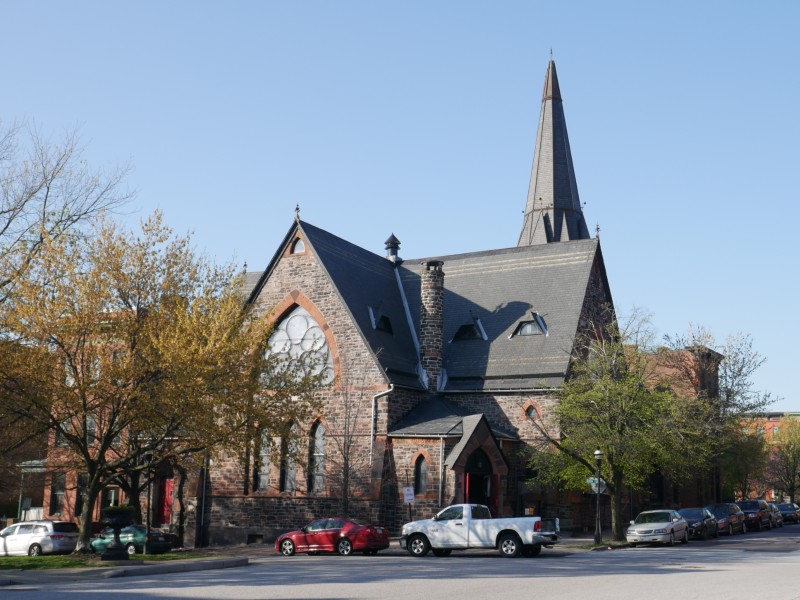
<point x="297" y="290"/>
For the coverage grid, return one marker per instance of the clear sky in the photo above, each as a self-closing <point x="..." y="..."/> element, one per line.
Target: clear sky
<point x="418" y="118"/>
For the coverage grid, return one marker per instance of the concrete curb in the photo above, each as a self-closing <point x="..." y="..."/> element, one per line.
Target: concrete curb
<point x="35" y="577"/>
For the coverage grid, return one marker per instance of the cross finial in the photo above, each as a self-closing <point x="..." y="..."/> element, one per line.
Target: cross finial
<point x="297" y="212"/>
<point x="597" y="231"/>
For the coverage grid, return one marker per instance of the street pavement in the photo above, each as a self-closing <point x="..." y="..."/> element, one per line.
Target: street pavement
<point x="224" y="557"/>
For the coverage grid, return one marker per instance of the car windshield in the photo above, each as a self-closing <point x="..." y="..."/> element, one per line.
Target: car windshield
<point x="653" y="517"/>
<point x="691" y="513"/>
<point x="787" y="506"/>
<point x="749" y="505"/>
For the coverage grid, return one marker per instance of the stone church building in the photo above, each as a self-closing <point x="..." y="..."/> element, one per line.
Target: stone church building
<point x="434" y="365"/>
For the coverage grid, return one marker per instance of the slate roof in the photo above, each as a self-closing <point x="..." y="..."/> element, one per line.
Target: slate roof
<point x="553" y="210"/>
<point x="501" y="288"/>
<point x="435" y="416"/>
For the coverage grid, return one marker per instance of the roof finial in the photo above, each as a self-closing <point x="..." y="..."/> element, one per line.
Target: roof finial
<point x="297" y="212"/>
<point x="551" y="53"/>
<point x="597" y="231"/>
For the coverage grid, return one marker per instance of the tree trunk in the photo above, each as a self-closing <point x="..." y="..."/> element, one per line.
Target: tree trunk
<point x="85" y="533"/>
<point x="617" y="520"/>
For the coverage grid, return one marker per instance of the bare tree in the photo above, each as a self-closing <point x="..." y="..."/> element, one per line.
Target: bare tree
<point x="783" y="468"/>
<point x="46" y="190"/>
<point x="348" y="464"/>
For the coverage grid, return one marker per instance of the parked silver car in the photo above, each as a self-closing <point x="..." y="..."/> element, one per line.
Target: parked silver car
<point x="663" y="526"/>
<point x="38" y="537"/>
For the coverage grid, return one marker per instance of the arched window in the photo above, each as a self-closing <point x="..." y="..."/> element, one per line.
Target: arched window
<point x="298" y="247"/>
<point x="288" y="481"/>
<point x="316" y="459"/>
<point x="261" y="468"/>
<point x="298" y="338"/>
<point x="420" y="475"/>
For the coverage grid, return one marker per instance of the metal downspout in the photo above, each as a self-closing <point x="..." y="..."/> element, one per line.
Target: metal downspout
<point x="441" y="468"/>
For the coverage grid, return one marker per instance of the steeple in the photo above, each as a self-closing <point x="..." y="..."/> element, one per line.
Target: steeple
<point x="553" y="211"/>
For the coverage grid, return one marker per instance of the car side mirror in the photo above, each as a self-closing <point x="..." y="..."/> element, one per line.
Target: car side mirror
<point x="631" y="522"/>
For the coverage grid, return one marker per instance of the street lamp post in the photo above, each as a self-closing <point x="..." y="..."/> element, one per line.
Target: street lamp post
<point x="598" y="536"/>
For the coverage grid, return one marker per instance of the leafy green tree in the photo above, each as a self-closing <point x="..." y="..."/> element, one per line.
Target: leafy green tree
<point x="615" y="400"/>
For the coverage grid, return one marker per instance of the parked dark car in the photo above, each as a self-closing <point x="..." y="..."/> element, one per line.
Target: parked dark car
<point x="702" y="523"/>
<point x="775" y="515"/>
<point x="790" y="512"/>
<point x="730" y="518"/>
<point x="756" y="514"/>
<point x="334" y="535"/>
<point x="133" y="538"/>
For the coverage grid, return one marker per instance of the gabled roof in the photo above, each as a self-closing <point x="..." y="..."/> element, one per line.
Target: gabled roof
<point x="501" y="289"/>
<point x="553" y="210"/>
<point x="436" y="417"/>
<point x="363" y="281"/>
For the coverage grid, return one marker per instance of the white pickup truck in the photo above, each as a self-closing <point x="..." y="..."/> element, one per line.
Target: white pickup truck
<point x="463" y="526"/>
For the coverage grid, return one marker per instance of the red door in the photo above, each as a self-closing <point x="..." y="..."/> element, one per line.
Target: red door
<point x="166" y="488"/>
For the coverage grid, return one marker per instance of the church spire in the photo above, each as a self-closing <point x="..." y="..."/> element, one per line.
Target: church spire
<point x="553" y="211"/>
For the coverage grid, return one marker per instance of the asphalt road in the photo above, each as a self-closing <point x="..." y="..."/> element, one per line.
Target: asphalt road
<point x="755" y="565"/>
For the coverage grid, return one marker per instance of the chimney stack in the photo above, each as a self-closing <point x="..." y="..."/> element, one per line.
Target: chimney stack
<point x="432" y="321"/>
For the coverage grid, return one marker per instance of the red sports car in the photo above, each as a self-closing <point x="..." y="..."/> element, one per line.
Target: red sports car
<point x="333" y="535"/>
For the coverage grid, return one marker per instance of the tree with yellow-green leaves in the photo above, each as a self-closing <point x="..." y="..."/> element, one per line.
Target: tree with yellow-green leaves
<point x="130" y="347"/>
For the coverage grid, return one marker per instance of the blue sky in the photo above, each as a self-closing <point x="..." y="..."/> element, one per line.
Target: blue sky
<point x="418" y="119"/>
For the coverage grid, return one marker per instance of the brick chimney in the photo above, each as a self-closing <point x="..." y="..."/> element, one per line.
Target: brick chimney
<point x="432" y="321"/>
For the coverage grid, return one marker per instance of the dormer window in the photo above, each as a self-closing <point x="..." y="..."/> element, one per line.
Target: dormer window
<point x="298" y="247"/>
<point x="470" y="331"/>
<point x="380" y="322"/>
<point x="535" y="326"/>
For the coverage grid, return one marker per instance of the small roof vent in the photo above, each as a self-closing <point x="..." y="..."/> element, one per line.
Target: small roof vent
<point x="392" y="249"/>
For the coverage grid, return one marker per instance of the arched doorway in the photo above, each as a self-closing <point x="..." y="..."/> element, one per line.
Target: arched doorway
<point x="478" y="478"/>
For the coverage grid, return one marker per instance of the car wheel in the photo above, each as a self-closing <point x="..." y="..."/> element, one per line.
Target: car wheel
<point x="441" y="551"/>
<point x="632" y="544"/>
<point x="418" y="545"/>
<point x="130" y="549"/>
<point x="744" y="527"/>
<point x="671" y="541"/>
<point x="35" y="550"/>
<point x="287" y="547"/>
<point x="716" y="533"/>
<point x="685" y="539"/>
<point x="730" y="529"/>
<point x="344" y="547"/>
<point x="705" y="535"/>
<point x="529" y="551"/>
<point x="510" y="545"/>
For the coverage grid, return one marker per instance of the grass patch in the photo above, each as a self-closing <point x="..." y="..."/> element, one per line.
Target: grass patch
<point x="80" y="561"/>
